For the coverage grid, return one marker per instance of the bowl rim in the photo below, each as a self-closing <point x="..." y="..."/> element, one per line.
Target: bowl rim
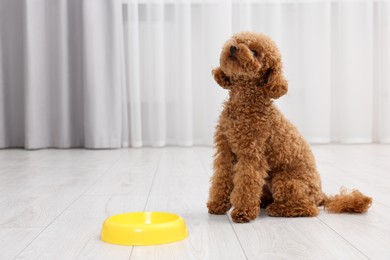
<point x="177" y="226"/>
<point x="109" y="219"/>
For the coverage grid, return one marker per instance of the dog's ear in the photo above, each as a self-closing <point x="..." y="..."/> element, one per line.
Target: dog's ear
<point x="275" y="85"/>
<point x="221" y="78"/>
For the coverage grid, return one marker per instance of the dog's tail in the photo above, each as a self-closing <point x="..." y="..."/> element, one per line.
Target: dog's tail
<point x="344" y="202"/>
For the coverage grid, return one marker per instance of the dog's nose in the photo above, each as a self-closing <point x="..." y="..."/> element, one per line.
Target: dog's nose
<point x="233" y="50"/>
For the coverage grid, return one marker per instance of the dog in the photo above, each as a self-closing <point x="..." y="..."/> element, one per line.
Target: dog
<point x="261" y="159"/>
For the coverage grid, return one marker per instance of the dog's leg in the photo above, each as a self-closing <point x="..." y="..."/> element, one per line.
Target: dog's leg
<point x="248" y="183"/>
<point x="222" y="180"/>
<point x="293" y="197"/>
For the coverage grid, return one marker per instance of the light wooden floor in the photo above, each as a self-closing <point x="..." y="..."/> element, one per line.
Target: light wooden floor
<point x="53" y="203"/>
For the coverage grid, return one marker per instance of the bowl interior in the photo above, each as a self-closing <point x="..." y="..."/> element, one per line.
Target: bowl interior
<point x="144" y="218"/>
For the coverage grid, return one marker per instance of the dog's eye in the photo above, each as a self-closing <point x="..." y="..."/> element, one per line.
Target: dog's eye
<point x="254" y="53"/>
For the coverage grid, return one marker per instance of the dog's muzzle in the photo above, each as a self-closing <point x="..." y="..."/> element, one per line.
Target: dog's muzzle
<point x="233" y="50"/>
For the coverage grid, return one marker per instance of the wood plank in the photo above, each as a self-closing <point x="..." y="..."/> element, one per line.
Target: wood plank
<point x="76" y="233"/>
<point x="45" y="171"/>
<point x="359" y="158"/>
<point x="80" y="225"/>
<point x="356" y="170"/>
<point x="369" y="232"/>
<point x="206" y="157"/>
<point x="362" y="167"/>
<point x="14" y="240"/>
<point x="129" y="175"/>
<point x="35" y="196"/>
<point x="60" y="158"/>
<point x="181" y="187"/>
<point x="36" y="192"/>
<point x="378" y="190"/>
<point x="295" y="238"/>
<point x="75" y="158"/>
<point x="15" y="157"/>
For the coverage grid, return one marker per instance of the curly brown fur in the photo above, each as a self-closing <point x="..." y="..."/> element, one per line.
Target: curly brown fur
<point x="354" y="202"/>
<point x="261" y="159"/>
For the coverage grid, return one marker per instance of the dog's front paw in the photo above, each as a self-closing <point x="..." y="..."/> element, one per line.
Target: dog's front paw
<point x="245" y="215"/>
<point x="218" y="208"/>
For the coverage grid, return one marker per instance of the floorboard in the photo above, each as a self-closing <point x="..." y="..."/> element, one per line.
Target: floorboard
<point x="53" y="203"/>
<point x="76" y="233"/>
<point x="14" y="240"/>
<point x="181" y="186"/>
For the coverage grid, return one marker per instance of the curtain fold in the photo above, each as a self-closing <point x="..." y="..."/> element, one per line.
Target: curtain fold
<point x="335" y="57"/>
<point x="102" y="75"/>
<point x="120" y="73"/>
<point x="62" y="73"/>
<point x="12" y="74"/>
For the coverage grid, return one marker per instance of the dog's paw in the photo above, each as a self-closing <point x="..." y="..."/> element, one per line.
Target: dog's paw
<point x="244" y="215"/>
<point x="218" y="208"/>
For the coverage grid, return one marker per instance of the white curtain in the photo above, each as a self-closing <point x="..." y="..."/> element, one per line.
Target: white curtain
<point x="118" y="73"/>
<point x="60" y="82"/>
<point x="336" y="56"/>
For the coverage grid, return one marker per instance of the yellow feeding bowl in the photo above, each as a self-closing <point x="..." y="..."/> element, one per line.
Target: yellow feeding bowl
<point x="144" y="228"/>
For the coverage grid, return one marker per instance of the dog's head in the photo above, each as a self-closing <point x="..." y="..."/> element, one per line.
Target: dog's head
<point x="253" y="58"/>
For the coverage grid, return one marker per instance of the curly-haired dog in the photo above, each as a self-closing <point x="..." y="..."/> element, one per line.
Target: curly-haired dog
<point x="261" y="159"/>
